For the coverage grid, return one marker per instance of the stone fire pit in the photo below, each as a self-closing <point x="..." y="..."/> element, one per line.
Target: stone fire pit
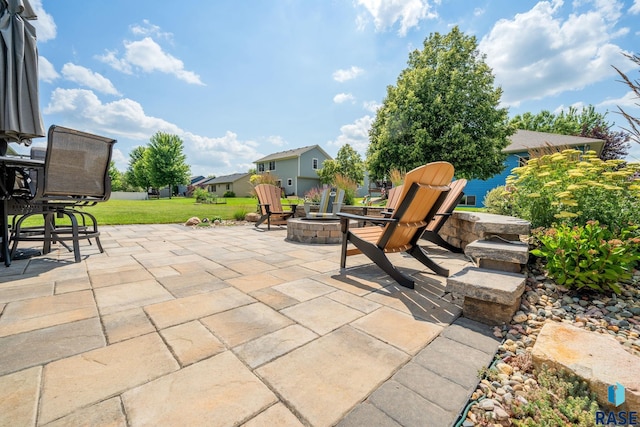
<point x="324" y="231"/>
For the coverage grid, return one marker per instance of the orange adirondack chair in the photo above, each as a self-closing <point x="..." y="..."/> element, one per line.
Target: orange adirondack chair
<point x="271" y="206"/>
<point x="424" y="190"/>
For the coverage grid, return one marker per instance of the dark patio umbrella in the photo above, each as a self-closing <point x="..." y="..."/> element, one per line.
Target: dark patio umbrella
<point x="20" y="118"/>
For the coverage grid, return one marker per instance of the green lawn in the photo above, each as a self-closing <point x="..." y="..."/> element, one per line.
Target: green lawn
<point x="163" y="211"/>
<point x="169" y="211"/>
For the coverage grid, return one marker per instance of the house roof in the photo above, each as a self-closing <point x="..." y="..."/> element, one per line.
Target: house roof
<point x="296" y="152"/>
<point x="523" y="140"/>
<point x="226" y="178"/>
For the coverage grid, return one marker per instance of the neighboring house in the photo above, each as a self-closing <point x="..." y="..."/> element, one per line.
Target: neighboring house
<point x="297" y="170"/>
<point x="237" y="182"/>
<point x="518" y="153"/>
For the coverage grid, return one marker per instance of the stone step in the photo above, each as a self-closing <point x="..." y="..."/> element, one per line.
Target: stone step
<point x="487" y="285"/>
<point x="490" y="297"/>
<point x="498" y="250"/>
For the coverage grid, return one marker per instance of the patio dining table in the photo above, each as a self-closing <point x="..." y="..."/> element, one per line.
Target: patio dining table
<point x="6" y="194"/>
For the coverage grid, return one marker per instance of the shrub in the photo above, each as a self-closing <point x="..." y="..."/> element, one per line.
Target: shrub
<point x="349" y="186"/>
<point x="263" y="178"/>
<point x="239" y="214"/>
<point x="562" y="399"/>
<point x="314" y="195"/>
<point x="229" y="193"/>
<point x="573" y="188"/>
<point x="497" y="201"/>
<point x="201" y="195"/>
<point x="591" y="256"/>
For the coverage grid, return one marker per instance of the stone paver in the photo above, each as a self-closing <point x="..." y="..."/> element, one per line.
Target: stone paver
<point x="230" y="326"/>
<point x="44" y="345"/>
<point x="105" y="413"/>
<point x="43" y="312"/>
<point x="72" y="383"/>
<point x="191" y="342"/>
<point x="319" y="390"/>
<point x="276" y="416"/>
<point x="322" y="315"/>
<point x="243" y="324"/>
<point x="219" y="391"/>
<point x="182" y="310"/>
<point x="398" y="329"/>
<point x="19" y="397"/>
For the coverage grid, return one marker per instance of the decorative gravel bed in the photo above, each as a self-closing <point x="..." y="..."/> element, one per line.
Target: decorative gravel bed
<point x="544" y="301"/>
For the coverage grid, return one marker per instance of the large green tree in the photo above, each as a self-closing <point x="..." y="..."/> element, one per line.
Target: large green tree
<point x="347" y="163"/>
<point x="444" y="106"/>
<point x="166" y="162"/>
<point x="116" y="177"/>
<point x="586" y="122"/>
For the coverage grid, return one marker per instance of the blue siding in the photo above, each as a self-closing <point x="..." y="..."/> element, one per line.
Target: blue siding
<point x="480" y="188"/>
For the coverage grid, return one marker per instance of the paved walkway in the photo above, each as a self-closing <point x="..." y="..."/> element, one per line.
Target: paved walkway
<point x="230" y="326"/>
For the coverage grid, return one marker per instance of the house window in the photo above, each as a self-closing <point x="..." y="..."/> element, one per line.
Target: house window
<point x="213" y="189"/>
<point x="468" y="200"/>
<point x="228" y="186"/>
<point x="289" y="182"/>
<point x="272" y="165"/>
<point x="314" y="164"/>
<point x="260" y="167"/>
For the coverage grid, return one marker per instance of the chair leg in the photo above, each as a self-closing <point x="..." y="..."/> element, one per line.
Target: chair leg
<point x="418" y="253"/>
<point x="434" y="237"/>
<point x="376" y="255"/>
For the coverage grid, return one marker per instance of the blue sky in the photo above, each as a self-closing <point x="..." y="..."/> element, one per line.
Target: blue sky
<point x="238" y="80"/>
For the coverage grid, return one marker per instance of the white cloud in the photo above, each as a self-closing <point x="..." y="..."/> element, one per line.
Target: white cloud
<point x="629" y="99"/>
<point x="348" y="74"/>
<point x="343" y="97"/>
<point x="148" y="29"/>
<point x="110" y="58"/>
<point x="355" y="134"/>
<point x="125" y="119"/>
<point x="372" y="106"/>
<point x="278" y="141"/>
<point x="85" y="77"/>
<point x="635" y="8"/>
<point x="148" y="56"/>
<point x="539" y="53"/>
<point x="46" y="71"/>
<point x="45" y="26"/>
<point x="386" y="13"/>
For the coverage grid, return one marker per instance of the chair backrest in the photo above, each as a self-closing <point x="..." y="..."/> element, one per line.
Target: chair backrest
<point x="76" y="166"/>
<point x="450" y="202"/>
<point x="269" y="195"/>
<point x="331" y="201"/>
<point x="422" y="194"/>
<point x="393" y="197"/>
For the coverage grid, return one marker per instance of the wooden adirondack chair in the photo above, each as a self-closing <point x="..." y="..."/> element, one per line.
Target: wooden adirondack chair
<point x="424" y="190"/>
<point x="446" y="209"/>
<point x="330" y="204"/>
<point x="444" y="212"/>
<point x="271" y="206"/>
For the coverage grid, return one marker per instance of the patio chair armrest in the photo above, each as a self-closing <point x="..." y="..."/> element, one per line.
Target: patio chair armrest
<point x="267" y="206"/>
<point x="372" y="219"/>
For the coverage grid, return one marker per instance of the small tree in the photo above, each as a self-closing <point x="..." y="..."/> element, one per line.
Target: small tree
<point x="117" y="178"/>
<point x="165" y="161"/>
<point x="587" y="123"/>
<point x="443" y="107"/>
<point x="634" y="85"/>
<point x="137" y="175"/>
<point x="347" y="163"/>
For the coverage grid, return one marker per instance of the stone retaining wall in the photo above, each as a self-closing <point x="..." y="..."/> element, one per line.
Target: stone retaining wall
<point x="465" y="227"/>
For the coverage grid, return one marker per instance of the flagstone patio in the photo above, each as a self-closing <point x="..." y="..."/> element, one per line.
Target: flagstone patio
<point x="226" y="326"/>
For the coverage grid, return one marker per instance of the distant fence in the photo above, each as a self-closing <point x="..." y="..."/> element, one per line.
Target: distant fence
<point x="129" y="195"/>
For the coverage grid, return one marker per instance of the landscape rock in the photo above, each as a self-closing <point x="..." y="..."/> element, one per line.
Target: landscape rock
<point x="597" y="358"/>
<point x="194" y="220"/>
